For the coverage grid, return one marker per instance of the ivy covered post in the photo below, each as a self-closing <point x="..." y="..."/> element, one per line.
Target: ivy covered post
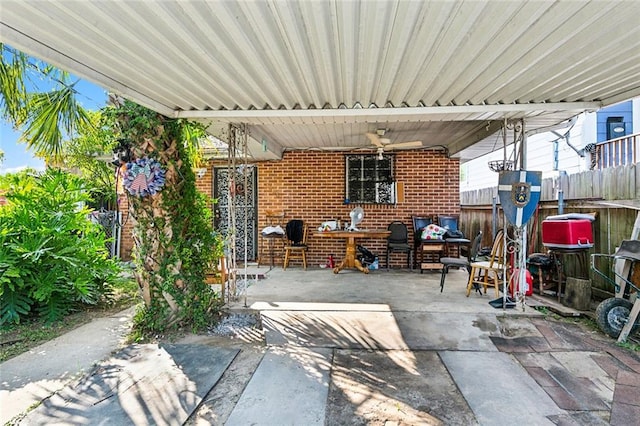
<point x="173" y="233"/>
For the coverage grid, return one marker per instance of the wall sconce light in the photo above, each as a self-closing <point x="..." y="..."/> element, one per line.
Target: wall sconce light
<point x="201" y="172"/>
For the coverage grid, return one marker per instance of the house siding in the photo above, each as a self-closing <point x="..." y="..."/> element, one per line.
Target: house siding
<point x="590" y="127"/>
<point x="623" y="110"/>
<point x="540" y="155"/>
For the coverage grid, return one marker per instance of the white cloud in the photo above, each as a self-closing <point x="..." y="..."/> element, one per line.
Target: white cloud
<point x="5" y="171"/>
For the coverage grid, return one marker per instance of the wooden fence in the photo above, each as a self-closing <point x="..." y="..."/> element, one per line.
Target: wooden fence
<point x="613" y="194"/>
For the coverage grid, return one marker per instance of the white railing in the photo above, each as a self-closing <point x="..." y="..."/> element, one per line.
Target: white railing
<point x="617" y="152"/>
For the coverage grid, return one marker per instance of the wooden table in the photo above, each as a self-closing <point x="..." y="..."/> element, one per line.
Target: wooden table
<point x="350" y="238"/>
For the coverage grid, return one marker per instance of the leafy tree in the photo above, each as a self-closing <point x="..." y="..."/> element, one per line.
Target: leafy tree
<point x="174" y="239"/>
<point x="85" y="154"/>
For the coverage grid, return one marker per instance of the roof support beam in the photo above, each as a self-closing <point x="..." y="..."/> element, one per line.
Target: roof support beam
<point x="395" y="113"/>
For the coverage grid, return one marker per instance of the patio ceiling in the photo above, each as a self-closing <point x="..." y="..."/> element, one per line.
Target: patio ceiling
<point x="321" y="74"/>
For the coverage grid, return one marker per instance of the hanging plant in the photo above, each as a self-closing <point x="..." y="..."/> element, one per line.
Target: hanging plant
<point x="143" y="177"/>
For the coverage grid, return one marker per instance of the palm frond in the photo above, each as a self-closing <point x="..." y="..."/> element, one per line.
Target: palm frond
<point x="12" y="88"/>
<point x="52" y="117"/>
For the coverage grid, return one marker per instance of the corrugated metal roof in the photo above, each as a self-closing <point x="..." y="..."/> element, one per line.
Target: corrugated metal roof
<point x="320" y="74"/>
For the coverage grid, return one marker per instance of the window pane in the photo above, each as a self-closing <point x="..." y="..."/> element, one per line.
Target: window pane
<point x="369" y="179"/>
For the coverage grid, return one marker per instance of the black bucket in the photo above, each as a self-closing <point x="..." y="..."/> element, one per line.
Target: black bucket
<point x="498" y="303"/>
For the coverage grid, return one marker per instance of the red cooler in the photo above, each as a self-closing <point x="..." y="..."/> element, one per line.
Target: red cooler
<point x="567" y="233"/>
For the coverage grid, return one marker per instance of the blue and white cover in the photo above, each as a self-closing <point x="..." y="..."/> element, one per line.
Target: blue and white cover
<point x="519" y="193"/>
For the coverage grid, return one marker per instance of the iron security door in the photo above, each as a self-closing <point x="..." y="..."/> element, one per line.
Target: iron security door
<point x="245" y="208"/>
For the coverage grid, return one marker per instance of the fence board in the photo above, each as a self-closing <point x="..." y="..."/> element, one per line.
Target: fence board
<point x="614" y="222"/>
<point x="615" y="183"/>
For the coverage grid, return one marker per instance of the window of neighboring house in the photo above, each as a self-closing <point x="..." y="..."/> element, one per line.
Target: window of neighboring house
<point x="369" y="179"/>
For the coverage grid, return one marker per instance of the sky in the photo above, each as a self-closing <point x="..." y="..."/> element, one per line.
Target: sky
<point x="16" y="155"/>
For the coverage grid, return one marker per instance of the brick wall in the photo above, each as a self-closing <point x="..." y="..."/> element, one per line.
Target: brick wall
<point x="309" y="185"/>
<point x="126" y="242"/>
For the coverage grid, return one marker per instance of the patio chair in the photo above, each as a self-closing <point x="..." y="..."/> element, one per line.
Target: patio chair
<point x="489" y="272"/>
<point x="271" y="241"/>
<point x="419" y="223"/>
<point x="448" y="221"/>
<point x="296" y="245"/>
<point x="460" y="262"/>
<point x="399" y="241"/>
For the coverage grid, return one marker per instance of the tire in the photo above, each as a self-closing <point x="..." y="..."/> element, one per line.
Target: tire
<point x="612" y="314"/>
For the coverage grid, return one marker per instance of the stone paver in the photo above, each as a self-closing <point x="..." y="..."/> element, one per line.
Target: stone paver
<point x="141" y="384"/>
<point x="385" y="348"/>
<point x="290" y="386"/>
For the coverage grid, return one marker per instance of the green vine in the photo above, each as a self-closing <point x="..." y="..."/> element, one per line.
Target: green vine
<point x="174" y="237"/>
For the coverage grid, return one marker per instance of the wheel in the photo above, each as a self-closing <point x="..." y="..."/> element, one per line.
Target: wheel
<point x="612" y="314"/>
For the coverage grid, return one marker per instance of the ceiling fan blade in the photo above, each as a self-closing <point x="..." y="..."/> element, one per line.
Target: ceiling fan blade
<point x="412" y="144"/>
<point x="375" y="139"/>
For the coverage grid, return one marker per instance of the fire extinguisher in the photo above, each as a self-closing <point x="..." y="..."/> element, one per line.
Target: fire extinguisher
<point x="330" y="261"/>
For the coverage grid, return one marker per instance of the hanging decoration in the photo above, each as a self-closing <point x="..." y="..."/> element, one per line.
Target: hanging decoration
<point x="519" y="192"/>
<point x="143" y="177"/>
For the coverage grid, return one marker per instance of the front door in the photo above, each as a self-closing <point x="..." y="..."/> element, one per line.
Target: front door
<point x="245" y="208"/>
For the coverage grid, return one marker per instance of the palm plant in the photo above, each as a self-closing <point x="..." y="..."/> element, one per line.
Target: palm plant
<point x="45" y="118"/>
<point x="174" y="236"/>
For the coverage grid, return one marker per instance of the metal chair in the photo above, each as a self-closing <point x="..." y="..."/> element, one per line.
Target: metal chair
<point x="460" y="262"/>
<point x="399" y="241"/>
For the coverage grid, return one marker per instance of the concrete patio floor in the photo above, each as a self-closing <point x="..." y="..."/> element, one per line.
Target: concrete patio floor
<point x="385" y="348"/>
<point x="399" y="289"/>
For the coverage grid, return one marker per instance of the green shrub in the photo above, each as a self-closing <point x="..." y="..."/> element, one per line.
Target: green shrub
<point x="53" y="259"/>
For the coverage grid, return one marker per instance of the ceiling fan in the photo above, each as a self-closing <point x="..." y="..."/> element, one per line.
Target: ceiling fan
<point x="383" y="143"/>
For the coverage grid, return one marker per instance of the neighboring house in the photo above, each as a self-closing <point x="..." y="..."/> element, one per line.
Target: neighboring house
<point x="553" y="153"/>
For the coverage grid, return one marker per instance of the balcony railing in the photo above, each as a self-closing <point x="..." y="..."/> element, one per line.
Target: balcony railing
<point x="616" y="152"/>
